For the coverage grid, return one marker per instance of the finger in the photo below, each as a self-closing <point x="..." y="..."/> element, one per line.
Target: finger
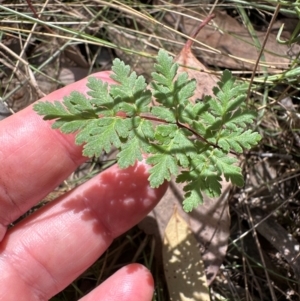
<point x="34" y="159"/>
<point x="131" y="283"/>
<point x="45" y="252"/>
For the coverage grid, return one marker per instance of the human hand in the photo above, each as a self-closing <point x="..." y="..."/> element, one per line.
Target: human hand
<point x="45" y="252"/>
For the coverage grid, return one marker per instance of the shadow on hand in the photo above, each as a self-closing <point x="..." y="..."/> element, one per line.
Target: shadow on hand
<point x="117" y="199"/>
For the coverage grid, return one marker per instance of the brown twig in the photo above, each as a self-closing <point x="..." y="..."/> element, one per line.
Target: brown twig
<point x="183" y="126"/>
<point x="37" y="16"/>
<point x="263" y="47"/>
<point x="190" y="42"/>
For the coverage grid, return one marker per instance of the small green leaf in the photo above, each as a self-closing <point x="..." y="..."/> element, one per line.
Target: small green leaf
<point x="226" y="165"/>
<point x="71" y="126"/>
<point x="142" y="130"/>
<point x="51" y="110"/>
<point x="130" y="153"/>
<point x="164" y="166"/>
<point x="184" y="89"/>
<point x="165" y="70"/>
<point x="238" y="140"/>
<point x="100" y="135"/>
<point x="192" y="199"/>
<point x="101" y="98"/>
<point x="120" y="71"/>
<point x="77" y="103"/>
<point x="164" y="113"/>
<point x="193" y="196"/>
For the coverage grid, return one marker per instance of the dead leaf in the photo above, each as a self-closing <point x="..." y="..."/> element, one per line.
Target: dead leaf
<point x="73" y="54"/>
<point x="68" y="75"/>
<point x="229" y="37"/>
<point x="284" y="242"/>
<point x="183" y="265"/>
<point x="205" y="81"/>
<point x="190" y="64"/>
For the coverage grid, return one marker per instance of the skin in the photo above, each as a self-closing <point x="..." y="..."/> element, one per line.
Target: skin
<point x="45" y="252"/>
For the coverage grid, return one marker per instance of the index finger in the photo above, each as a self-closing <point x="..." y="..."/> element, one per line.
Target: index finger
<point x="34" y="159"/>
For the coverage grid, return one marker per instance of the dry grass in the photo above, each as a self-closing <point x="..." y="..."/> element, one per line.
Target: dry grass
<point x="49" y="44"/>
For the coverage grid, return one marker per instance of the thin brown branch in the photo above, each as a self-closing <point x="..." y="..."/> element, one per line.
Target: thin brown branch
<point x="263" y="47"/>
<point x="183" y="126"/>
<point x="190" y="42"/>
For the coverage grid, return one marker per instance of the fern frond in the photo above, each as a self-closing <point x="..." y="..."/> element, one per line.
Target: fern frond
<point x="189" y="141"/>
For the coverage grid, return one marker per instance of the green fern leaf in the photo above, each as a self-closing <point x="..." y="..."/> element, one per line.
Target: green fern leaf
<point x="164" y="166"/>
<point x="51" y="110"/>
<point x="226" y="165"/>
<point x="101" y="134"/>
<point x="188" y="141"/>
<point x="76" y="103"/>
<point x="138" y="142"/>
<point x="237" y="140"/>
<point x="131" y="151"/>
<point x="165" y="70"/>
<point x="197" y="182"/>
<point x="164" y="114"/>
<point x="192" y="199"/>
<point x="103" y="103"/>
